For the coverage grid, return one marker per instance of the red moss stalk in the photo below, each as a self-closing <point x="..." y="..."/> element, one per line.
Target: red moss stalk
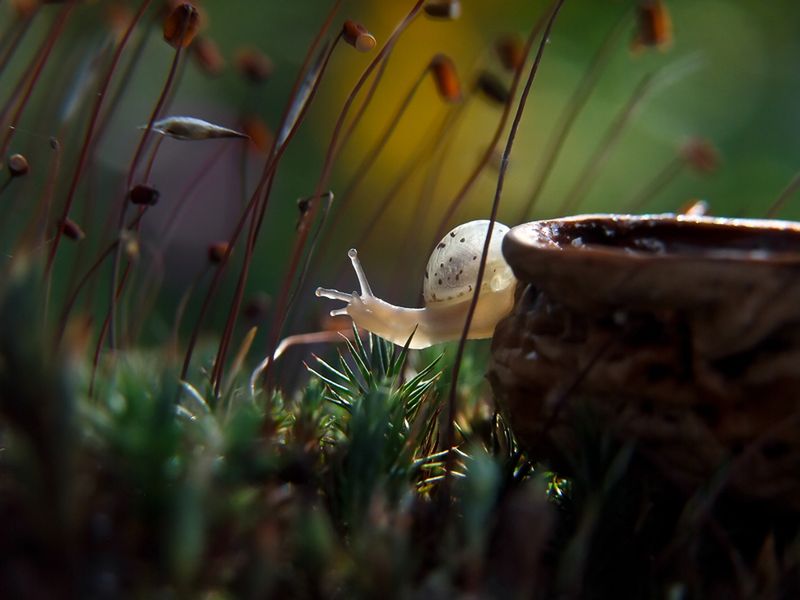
<point x="458" y="199"/>
<point x="309" y="218"/>
<point x="188" y="20"/>
<point x="452" y="399"/>
<point x="279" y="143"/>
<point x="40" y="61"/>
<point x="90" y="130"/>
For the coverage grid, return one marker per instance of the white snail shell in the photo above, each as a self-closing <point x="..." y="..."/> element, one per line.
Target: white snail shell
<point x="453" y="266"/>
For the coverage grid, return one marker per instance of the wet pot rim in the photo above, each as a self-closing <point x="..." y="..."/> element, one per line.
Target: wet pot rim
<point x="659" y="237"/>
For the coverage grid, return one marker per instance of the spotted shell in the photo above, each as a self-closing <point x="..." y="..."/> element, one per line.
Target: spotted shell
<point x="453" y="266"/>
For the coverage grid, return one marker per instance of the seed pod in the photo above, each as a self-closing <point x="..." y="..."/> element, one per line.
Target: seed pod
<point x="181" y="25"/>
<point x="143" y="195"/>
<point x="260" y="135"/>
<point x="443" y="9"/>
<point x="654" y="26"/>
<point x="72" y="230"/>
<point x="208" y="56"/>
<point x="695" y="208"/>
<point x="254" y="65"/>
<point x="511" y="51"/>
<point x="190" y="128"/>
<point x="130" y="245"/>
<point x="304" y="203"/>
<point x="256" y="307"/>
<point x="357" y="36"/>
<point x="217" y="252"/>
<point x="446" y="77"/>
<point x="24" y="8"/>
<point x="118" y="18"/>
<point x="18" y="165"/>
<point x="701" y="155"/>
<point x="491" y="87"/>
<point x="77" y="336"/>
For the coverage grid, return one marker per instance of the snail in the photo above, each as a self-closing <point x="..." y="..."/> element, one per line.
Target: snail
<point x="447" y="290"/>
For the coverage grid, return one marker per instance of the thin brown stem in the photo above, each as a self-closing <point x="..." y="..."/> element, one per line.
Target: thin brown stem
<point x="40" y="61"/>
<point x="417" y="159"/>
<point x="452" y="400"/>
<point x="23" y="78"/>
<point x="104" y="329"/>
<point x="281" y="307"/>
<point x="69" y="305"/>
<point x="375" y="151"/>
<point x="129" y="180"/>
<point x="183" y="303"/>
<point x="607" y="144"/>
<point x="37" y="226"/>
<point x="367" y="99"/>
<point x="147" y="290"/>
<point x="460" y="196"/>
<point x="124" y="80"/>
<point x="90" y="130"/>
<point x="325" y="231"/>
<point x="152" y="160"/>
<point x="288" y="121"/>
<point x="427" y="196"/>
<point x="20" y="28"/>
<point x="255" y="226"/>
<point x="647" y="85"/>
<point x="662" y="179"/>
<point x="787" y="192"/>
<point x="315" y="239"/>
<point x="244" y="152"/>
<point x="172" y="219"/>
<point x="174" y="216"/>
<point x="573" y="108"/>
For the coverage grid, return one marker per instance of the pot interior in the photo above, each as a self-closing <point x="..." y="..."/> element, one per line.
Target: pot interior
<point x="688" y="236"/>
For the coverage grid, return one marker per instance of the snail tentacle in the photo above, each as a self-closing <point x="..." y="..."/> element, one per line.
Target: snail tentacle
<point x="362" y="277"/>
<point x="333" y="294"/>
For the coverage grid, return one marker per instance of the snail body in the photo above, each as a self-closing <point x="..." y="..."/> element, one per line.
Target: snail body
<point x="448" y="287"/>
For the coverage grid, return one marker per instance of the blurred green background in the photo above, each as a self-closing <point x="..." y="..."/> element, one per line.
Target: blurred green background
<point x="732" y="78"/>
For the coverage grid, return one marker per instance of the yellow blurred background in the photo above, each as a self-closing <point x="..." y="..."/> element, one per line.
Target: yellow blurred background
<point x="729" y="78"/>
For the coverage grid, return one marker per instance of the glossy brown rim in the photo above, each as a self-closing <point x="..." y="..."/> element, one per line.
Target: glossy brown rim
<point x="663" y="237"/>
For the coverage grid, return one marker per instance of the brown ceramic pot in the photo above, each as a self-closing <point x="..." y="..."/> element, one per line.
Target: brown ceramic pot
<point x="681" y="334"/>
